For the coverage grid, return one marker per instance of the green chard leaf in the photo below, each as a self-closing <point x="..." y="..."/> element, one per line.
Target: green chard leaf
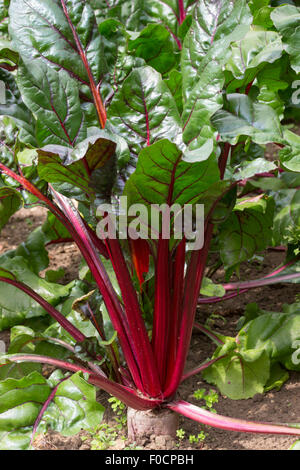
<point x="21" y="401"/>
<point x="286" y="19"/>
<point x="144" y="110"/>
<point x="15" y="305"/>
<point x="277" y="333"/>
<point x="241" y="374"/>
<point x="244" y="117"/>
<point x="53" y="39"/>
<point x="254" y="49"/>
<point x="72" y="408"/>
<point x="204" y="54"/>
<point x="10" y="202"/>
<point x="155" y="45"/>
<point x="246" y="231"/>
<point x="287" y="218"/>
<point x="53" y="97"/>
<point x="72" y="170"/>
<point x="162" y="177"/>
<point x="15" y="108"/>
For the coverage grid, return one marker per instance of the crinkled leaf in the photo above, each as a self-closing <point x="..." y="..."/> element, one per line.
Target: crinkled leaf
<point x="204" y="54"/>
<point x="144" y="110"/>
<point x="33" y="251"/>
<point x="16" y="109"/>
<point x="270" y="81"/>
<point x="162" y="177"/>
<point x="262" y="17"/>
<point x="286" y="19"/>
<point x="287" y="218"/>
<point x="155" y="46"/>
<point x="74" y="406"/>
<point x="246" y="117"/>
<point x="290" y="155"/>
<point x="53" y="39"/>
<point x="8" y="57"/>
<point x="215" y="25"/>
<point x="241" y="374"/>
<point x="78" y="290"/>
<point x="174" y="82"/>
<point x="20" y="336"/>
<point x="246" y="231"/>
<point x="276" y="333"/>
<point x="138" y="14"/>
<point x="74" y="168"/>
<point x="16" y="440"/>
<point x="250" y="168"/>
<point x="255" y="48"/>
<point x="21" y="401"/>
<point x="53" y="98"/>
<point x="53" y="229"/>
<point x="120" y="62"/>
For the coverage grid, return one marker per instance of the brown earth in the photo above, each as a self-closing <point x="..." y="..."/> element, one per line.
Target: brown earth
<point x="275" y="406"/>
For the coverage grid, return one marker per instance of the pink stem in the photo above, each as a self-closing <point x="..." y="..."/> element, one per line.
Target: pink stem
<point x="230" y="424"/>
<point x="125" y="394"/>
<point x="137" y="330"/>
<point x="213" y="300"/>
<point x="182" y="13"/>
<point x="110" y="297"/>
<point x="261" y="282"/>
<point x="201" y="368"/>
<point x="176" y="304"/>
<point x="193" y="283"/>
<point x="44" y="408"/>
<point x="94" y="89"/>
<point x="71" y="329"/>
<point x="161" y="319"/>
<point x="250" y="285"/>
<point x="208" y="333"/>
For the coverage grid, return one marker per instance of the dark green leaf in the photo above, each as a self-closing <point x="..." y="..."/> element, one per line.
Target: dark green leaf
<point x="10" y="202"/>
<point x="246" y="231"/>
<point x="155" y="46"/>
<point x="205" y="52"/>
<point x="290" y="155"/>
<point x="16" y="109"/>
<point x="53" y="98"/>
<point x="21" y="401"/>
<point x="163" y="177"/>
<point x="174" y="83"/>
<point x="53" y="39"/>
<point x="144" y="110"/>
<point x="74" y="407"/>
<point x="287" y="219"/>
<point x="75" y="168"/>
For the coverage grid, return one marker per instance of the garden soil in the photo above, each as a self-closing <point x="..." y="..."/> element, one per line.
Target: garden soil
<point x="275" y="406"/>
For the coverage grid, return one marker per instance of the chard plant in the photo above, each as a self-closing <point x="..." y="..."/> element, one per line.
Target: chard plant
<point x="165" y="103"/>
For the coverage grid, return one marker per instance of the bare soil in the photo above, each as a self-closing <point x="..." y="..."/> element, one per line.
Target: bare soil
<point x="275" y="406"/>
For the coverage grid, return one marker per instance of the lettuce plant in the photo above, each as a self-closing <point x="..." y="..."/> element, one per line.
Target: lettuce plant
<point x="165" y="103"/>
